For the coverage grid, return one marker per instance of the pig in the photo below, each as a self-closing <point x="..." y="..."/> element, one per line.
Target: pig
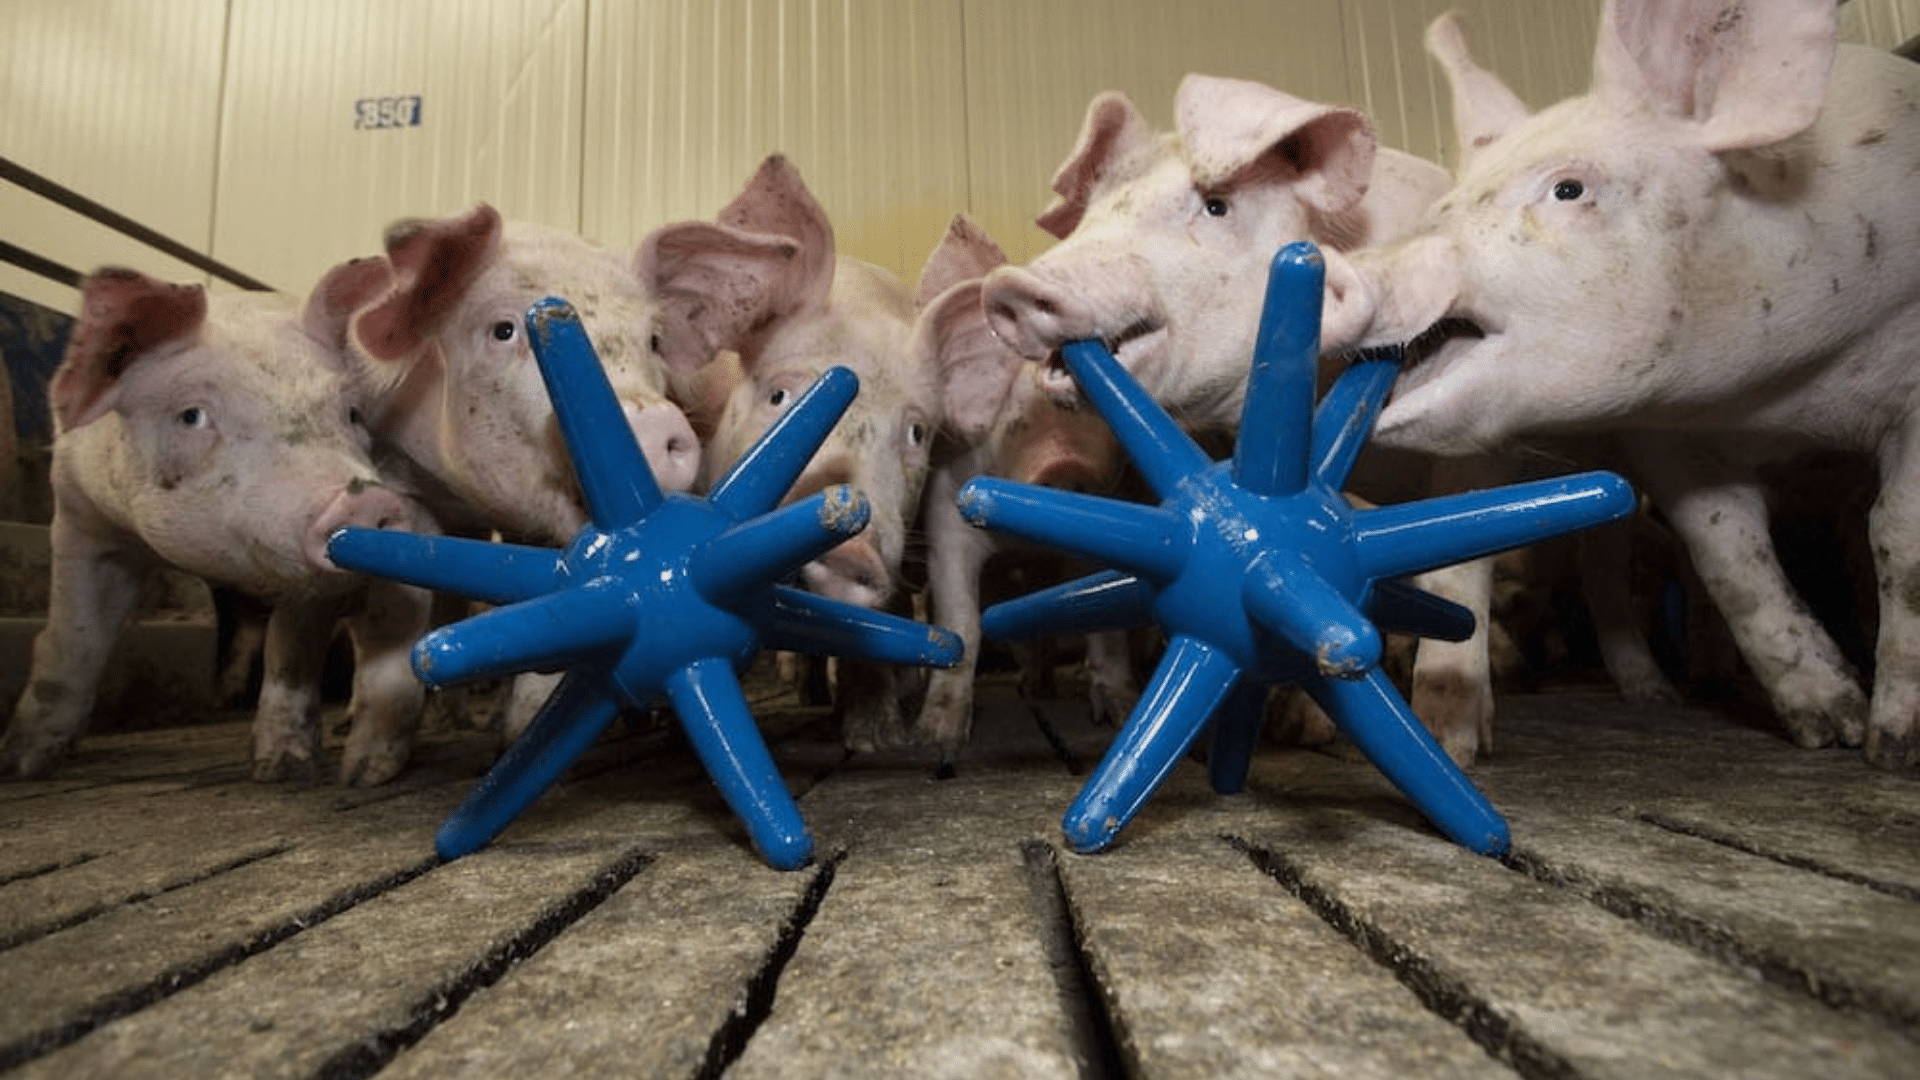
<point x="1165" y="244"/>
<point x="763" y="282"/>
<point x="459" y="402"/>
<point x="221" y="435"/>
<point x="457" y="394"/>
<point x="998" y="419"/>
<point x="1713" y="258"/>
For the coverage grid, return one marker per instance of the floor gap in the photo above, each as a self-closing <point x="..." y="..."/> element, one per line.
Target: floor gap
<point x="1797" y="862"/>
<point x="32" y="872"/>
<point x="1443" y="995"/>
<point x="1076" y="766"/>
<point x="1664" y="921"/>
<point x="368" y="1055"/>
<point x="730" y="1041"/>
<point x="1090" y="1026"/>
<point x="35" y="933"/>
<point x="172" y="982"/>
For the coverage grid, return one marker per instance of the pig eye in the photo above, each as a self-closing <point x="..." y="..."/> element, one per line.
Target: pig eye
<point x="1215" y="206"/>
<point x="355" y="418"/>
<point x="916" y="433"/>
<point x="653" y="343"/>
<point x="502" y="330"/>
<point x="193" y="417"/>
<point x="778" y="397"/>
<point x="1569" y="190"/>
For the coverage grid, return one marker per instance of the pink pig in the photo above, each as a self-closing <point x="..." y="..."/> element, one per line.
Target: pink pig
<point x="459" y="394"/>
<point x="1000" y="421"/>
<point x="763" y="283"/>
<point x="1714" y="257"/>
<point x="1165" y="245"/>
<point x="219" y="434"/>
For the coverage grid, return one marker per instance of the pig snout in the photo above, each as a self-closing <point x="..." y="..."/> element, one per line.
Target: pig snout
<point x="363" y="504"/>
<point x="1028" y="314"/>
<point x="667" y="439"/>
<point x="852" y="572"/>
<point x="1391" y="297"/>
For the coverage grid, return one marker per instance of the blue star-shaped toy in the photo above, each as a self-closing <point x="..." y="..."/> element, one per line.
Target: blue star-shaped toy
<point x="659" y="598"/>
<point x="1259" y="572"/>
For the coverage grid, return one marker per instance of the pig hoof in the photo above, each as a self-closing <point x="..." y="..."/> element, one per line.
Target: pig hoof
<point x="30" y="759"/>
<point x="1893" y="752"/>
<point x="372" y="769"/>
<point x="275" y="768"/>
<point x="1111" y="706"/>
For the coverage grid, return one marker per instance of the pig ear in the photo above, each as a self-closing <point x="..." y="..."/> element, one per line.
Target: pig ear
<point x="1483" y="108"/>
<point x="124" y="314"/>
<point x="1746" y="73"/>
<point x="433" y="263"/>
<point x="776" y="202"/>
<point x="976" y="368"/>
<point x="1113" y="128"/>
<point x="719" y="287"/>
<point x="1230" y="125"/>
<point x="966" y="251"/>
<point x="340" y="293"/>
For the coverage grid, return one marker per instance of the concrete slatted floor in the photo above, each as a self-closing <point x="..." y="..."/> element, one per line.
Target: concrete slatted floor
<point x="1686" y="897"/>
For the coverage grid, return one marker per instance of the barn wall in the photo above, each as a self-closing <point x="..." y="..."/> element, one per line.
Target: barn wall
<point x="280" y="136"/>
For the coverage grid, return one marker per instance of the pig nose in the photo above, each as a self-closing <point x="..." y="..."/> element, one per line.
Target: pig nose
<point x="1024" y="312"/>
<point x="361" y="503"/>
<point x="853" y="573"/>
<point x="667" y="439"/>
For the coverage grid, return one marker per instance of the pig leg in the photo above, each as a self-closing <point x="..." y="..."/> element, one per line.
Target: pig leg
<point x="94" y="588"/>
<point x="1893" y="737"/>
<point x="286" y="722"/>
<point x="1453" y="680"/>
<point x="1110" y="684"/>
<point x="387" y="698"/>
<point x="955" y="553"/>
<point x="1719" y="511"/>
<point x="1604" y="554"/>
<point x="528" y="691"/>
<point x="868" y="696"/>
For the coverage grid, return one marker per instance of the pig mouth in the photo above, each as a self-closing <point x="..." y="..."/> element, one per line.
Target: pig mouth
<point x="1145" y="326"/>
<point x="1431" y="352"/>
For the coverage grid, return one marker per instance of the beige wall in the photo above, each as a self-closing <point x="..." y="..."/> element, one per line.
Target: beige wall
<point x="229" y="124"/>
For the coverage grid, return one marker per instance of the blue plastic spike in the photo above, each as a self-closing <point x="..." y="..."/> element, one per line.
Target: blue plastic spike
<point x="1261" y="573"/>
<point x="1108" y="600"/>
<point x="1286" y="354"/>
<point x="1164" y="454"/>
<point x="495" y="573"/>
<point x="1400" y="608"/>
<point x="1145" y="539"/>
<point x="590" y="417"/>
<point x="758" y="481"/>
<point x="662" y="598"/>
<point x="1345" y="418"/>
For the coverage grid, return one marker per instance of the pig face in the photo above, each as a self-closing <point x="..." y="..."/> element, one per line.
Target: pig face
<point x="998" y="408"/>
<point x="763" y="283"/>
<point x="218" y="430"/>
<point x="1681" y="245"/>
<point x="461" y="395"/>
<point x="1166" y="238"/>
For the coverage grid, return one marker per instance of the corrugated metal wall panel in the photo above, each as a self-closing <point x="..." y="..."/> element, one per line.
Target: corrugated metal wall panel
<point x="305" y="183"/>
<point x="1032" y="68"/>
<point x="1886" y="24"/>
<point x="117" y="100"/>
<point x="687" y="97"/>
<point x="1542" y="51"/>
